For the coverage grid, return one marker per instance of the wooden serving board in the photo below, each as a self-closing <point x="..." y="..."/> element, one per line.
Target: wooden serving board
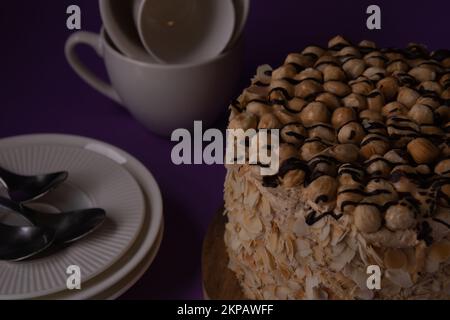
<point x="219" y="282"/>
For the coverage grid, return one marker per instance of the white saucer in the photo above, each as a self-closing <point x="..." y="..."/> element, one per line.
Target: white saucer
<point x="142" y="252"/>
<point x="94" y="181"/>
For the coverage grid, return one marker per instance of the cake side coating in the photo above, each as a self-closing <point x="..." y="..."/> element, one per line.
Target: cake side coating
<point x="364" y="177"/>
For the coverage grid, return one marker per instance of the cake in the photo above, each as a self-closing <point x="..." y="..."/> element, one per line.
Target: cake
<point x="364" y="177"/>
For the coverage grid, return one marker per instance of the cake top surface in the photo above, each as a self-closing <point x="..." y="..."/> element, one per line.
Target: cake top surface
<point x="363" y="131"/>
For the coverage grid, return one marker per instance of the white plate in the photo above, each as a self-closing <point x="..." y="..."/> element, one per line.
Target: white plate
<point x="147" y="242"/>
<point x="124" y="285"/>
<point x="94" y="181"/>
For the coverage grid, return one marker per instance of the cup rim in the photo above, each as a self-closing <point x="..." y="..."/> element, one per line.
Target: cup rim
<point x="107" y="41"/>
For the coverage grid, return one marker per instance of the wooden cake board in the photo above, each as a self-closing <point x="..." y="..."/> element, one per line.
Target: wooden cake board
<point x="219" y="282"/>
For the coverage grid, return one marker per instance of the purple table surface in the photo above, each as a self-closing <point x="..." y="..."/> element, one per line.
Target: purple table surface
<point x="41" y="94"/>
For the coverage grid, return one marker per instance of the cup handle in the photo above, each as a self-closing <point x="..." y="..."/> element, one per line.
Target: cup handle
<point x="95" y="41"/>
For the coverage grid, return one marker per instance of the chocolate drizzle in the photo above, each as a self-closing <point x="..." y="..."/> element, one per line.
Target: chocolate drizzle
<point x="312" y="217"/>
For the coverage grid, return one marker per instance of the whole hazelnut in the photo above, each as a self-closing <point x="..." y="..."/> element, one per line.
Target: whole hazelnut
<point x="338" y="40"/>
<point x="393" y="108"/>
<point x="342" y="116"/>
<point x="443" y="114"/>
<point x="332" y="72"/>
<point x="293" y="178"/>
<point x="254" y="92"/>
<point x="308" y="88"/>
<point x="367" y="218"/>
<point x="431" y="86"/>
<point x="376" y="166"/>
<point x="375" y="59"/>
<point x="299" y="61"/>
<point x="354" y="68"/>
<point x="367" y="44"/>
<point x="285" y="71"/>
<point x="374" y="144"/>
<point x="296" y="105"/>
<point x="244" y="121"/>
<point x="396" y="156"/>
<point x="354" y="100"/>
<point x="338" y="88"/>
<point x="329" y="99"/>
<point x="388" y="87"/>
<point x="423" y="151"/>
<point x="352" y="132"/>
<point x="315" y="50"/>
<point x="444" y="81"/>
<point x="423" y="74"/>
<point x="397" y="65"/>
<point x="431" y="131"/>
<point x="399" y="217"/>
<point x="284" y="116"/>
<point x="258" y="108"/>
<point x="374" y="73"/>
<point x="287" y="151"/>
<point x="379" y="184"/>
<point x="323" y="189"/>
<point x="349" y="51"/>
<point x="346" y="201"/>
<point x="325" y="61"/>
<point x="421" y="114"/>
<point x="344" y="153"/>
<point x="293" y="133"/>
<point x="446" y="94"/>
<point x="443" y="167"/>
<point x="309" y="73"/>
<point x="315" y="112"/>
<point x="269" y="121"/>
<point x="371" y="115"/>
<point x="311" y="148"/>
<point x="375" y="101"/>
<point x="322" y="131"/>
<point x="429" y="101"/>
<point x="282" y="86"/>
<point x="407" y="96"/>
<point x="362" y="86"/>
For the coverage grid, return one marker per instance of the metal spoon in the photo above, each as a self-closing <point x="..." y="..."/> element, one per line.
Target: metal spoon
<point x="25" y="188"/>
<point x="20" y="243"/>
<point x="67" y="226"/>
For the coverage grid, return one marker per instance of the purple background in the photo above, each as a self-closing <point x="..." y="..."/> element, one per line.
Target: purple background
<point x="40" y="93"/>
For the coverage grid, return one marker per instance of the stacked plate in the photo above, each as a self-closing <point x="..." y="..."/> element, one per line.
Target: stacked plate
<point x="114" y="257"/>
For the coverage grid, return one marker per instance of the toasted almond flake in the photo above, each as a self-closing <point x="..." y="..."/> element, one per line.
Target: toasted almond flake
<point x="252" y="224"/>
<point x="300" y="227"/>
<point x="311" y="284"/>
<point x="395" y="259"/>
<point x="272" y="243"/>
<point x="440" y="252"/>
<point x="431" y="265"/>
<point x="399" y="277"/>
<point x="265" y="208"/>
<point x="325" y="232"/>
<point x="303" y="248"/>
<point x="341" y="260"/>
<point x="282" y="292"/>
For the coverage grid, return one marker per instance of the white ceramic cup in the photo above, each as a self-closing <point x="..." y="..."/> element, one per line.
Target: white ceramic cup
<point x="242" y="8"/>
<point x="117" y="16"/>
<point x="184" y="31"/>
<point x="162" y="97"/>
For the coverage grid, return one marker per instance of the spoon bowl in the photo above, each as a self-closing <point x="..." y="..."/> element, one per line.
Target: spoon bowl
<point x="26" y="188"/>
<point x="20" y="243"/>
<point x="67" y="226"/>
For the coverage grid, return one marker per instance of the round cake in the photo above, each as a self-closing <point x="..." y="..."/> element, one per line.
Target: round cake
<point x="364" y="176"/>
